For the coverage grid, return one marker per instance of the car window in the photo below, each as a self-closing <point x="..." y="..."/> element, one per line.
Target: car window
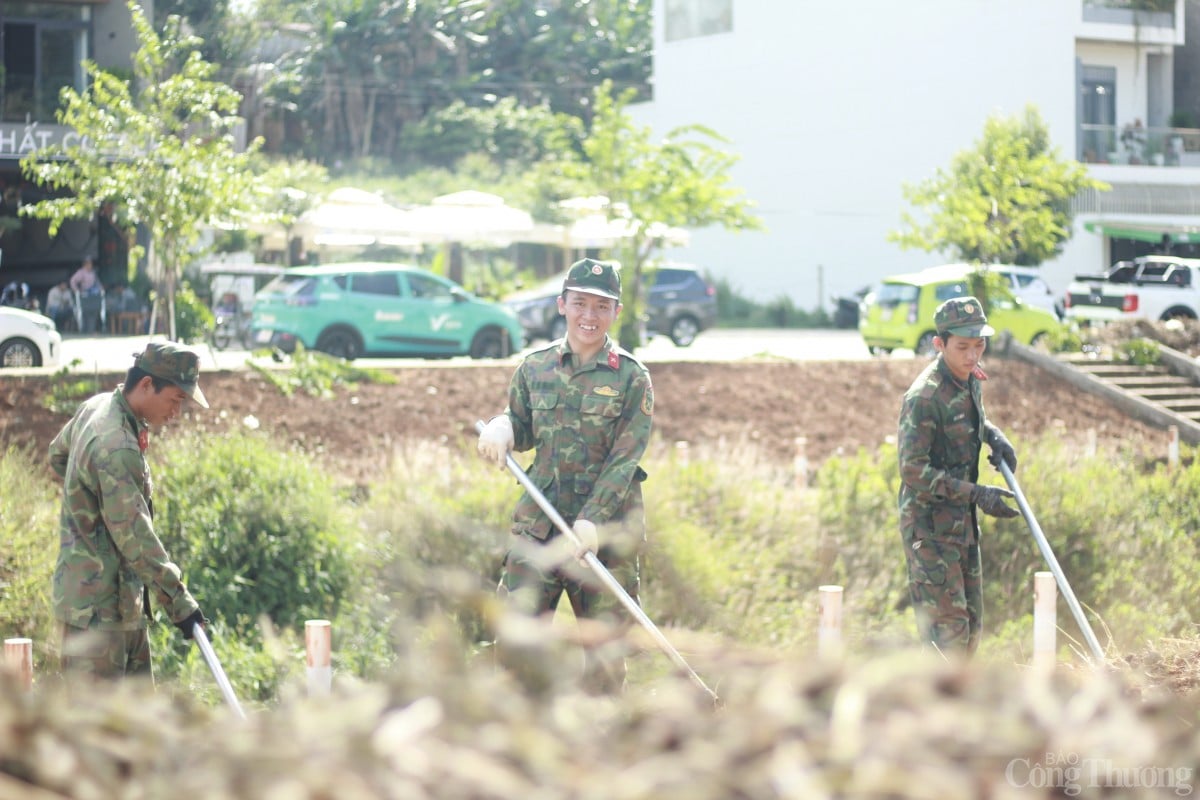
<point x="891" y="294"/>
<point x="385" y="283"/>
<point x="666" y="277"/>
<point x="341" y="281"/>
<point x="426" y="287"/>
<point x="292" y="285"/>
<point x="945" y="291"/>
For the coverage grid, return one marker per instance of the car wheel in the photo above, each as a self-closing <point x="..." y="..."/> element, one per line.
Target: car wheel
<point x="1041" y="341"/>
<point x="881" y="351"/>
<point x="20" y="353"/>
<point x="1177" y="312"/>
<point x="925" y="345"/>
<point x="490" y="343"/>
<point x="340" y="343"/>
<point x="558" y="328"/>
<point x="684" y="330"/>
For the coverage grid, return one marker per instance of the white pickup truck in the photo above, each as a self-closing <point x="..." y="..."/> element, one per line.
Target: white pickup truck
<point x="1148" y="287"/>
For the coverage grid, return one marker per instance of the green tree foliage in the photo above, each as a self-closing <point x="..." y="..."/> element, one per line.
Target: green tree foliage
<point x="556" y="53"/>
<point x="507" y="132"/>
<point x="355" y="74"/>
<point x="681" y="181"/>
<point x="287" y="188"/>
<point x="1004" y="201"/>
<point x="161" y="151"/>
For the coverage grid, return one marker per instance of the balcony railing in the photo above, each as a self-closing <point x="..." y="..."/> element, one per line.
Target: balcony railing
<point x="1142" y="13"/>
<point x="1128" y="144"/>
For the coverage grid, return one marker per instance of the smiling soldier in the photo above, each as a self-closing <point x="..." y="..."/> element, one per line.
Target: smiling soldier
<point x="586" y="405"/>
<point x="109" y="557"/>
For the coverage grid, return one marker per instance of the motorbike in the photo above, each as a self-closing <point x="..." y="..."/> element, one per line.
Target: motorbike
<point x="231" y="325"/>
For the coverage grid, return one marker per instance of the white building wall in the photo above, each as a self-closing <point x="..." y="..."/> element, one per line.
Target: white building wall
<point x="833" y="106"/>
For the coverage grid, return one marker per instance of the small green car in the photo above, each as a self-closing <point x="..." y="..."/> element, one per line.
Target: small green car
<point x="371" y="309"/>
<point x="898" y="313"/>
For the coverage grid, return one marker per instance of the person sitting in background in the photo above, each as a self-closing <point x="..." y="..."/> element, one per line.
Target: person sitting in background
<point x="60" y="305"/>
<point x="123" y="298"/>
<point x="85" y="280"/>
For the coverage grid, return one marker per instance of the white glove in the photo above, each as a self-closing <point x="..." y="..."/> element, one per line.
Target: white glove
<point x="589" y="542"/>
<point x="496" y="439"/>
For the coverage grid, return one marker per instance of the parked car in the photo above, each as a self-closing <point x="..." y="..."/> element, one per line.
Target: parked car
<point x="28" y="339"/>
<point x="680" y="304"/>
<point x="1028" y="284"/>
<point x="1155" y="287"/>
<point x="898" y="314"/>
<point x="375" y="309"/>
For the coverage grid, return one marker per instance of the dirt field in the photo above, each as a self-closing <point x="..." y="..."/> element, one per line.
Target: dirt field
<point x="837" y="406"/>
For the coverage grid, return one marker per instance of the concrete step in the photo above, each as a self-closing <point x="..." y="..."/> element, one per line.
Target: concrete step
<point x="1139" y="382"/>
<point x="1169" y="393"/>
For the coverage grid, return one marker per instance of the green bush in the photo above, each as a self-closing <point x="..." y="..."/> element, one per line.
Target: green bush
<point x="28" y="548"/>
<point x="259" y="530"/>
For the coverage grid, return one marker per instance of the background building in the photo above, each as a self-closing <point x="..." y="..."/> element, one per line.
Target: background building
<point x="834" y="106"/>
<point x="42" y="48"/>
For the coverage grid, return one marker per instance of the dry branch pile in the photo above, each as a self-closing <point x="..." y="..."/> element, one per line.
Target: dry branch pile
<point x="899" y="725"/>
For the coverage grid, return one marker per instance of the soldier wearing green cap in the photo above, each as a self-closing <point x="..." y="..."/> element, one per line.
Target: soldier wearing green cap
<point x="585" y="405"/>
<point x="110" y="559"/>
<point x="942" y="429"/>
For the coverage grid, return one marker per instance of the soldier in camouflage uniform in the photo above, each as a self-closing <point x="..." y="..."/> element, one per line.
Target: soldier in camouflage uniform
<point x="942" y="429"/>
<point x="110" y="558"/>
<point x="586" y="405"/>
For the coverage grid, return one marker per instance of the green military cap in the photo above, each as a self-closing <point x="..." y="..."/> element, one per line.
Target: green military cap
<point x="173" y="362"/>
<point x="962" y="316"/>
<point x="594" y="277"/>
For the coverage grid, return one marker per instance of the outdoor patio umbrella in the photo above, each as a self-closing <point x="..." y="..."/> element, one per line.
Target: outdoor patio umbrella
<point x="471" y="218"/>
<point x="352" y="217"/>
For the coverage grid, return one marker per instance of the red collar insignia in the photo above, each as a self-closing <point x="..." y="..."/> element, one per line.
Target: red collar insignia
<point x="143" y="439"/>
<point x="979" y="373"/>
<point x="614" y="360"/>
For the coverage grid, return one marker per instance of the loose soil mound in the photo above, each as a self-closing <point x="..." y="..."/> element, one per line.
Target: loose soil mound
<point x="837" y="406"/>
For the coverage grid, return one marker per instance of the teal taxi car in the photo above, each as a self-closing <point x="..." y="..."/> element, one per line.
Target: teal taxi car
<point x="377" y="309"/>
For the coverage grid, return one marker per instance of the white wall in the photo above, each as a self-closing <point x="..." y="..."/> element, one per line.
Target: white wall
<point x="833" y="106"/>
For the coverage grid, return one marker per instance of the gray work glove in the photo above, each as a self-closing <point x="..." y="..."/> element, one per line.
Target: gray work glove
<point x="1002" y="449"/>
<point x="990" y="500"/>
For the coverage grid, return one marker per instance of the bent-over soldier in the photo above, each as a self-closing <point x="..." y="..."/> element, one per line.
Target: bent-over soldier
<point x="110" y="559"/>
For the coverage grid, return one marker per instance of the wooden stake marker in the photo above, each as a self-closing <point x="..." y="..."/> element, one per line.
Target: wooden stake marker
<point x="829" y="628"/>
<point x="318" y="647"/>
<point x="18" y="657"/>
<point x="1045" y="623"/>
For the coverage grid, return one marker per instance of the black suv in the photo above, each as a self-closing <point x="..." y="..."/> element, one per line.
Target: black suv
<point x="680" y="304"/>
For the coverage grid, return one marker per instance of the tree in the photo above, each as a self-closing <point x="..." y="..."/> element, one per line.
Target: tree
<point x="163" y="157"/>
<point x="1006" y="201"/>
<point x="681" y="181"/>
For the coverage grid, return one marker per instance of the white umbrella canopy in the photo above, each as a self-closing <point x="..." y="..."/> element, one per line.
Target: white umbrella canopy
<point x="352" y="217"/>
<point x="469" y="217"/>
<point x="598" y="231"/>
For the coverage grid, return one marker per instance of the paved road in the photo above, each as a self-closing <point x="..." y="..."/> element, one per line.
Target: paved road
<point x="114" y="353"/>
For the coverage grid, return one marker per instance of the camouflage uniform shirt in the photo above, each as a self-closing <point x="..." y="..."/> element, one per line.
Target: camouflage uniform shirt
<point x="940" y="436"/>
<point x="108" y="550"/>
<point x="590" y="423"/>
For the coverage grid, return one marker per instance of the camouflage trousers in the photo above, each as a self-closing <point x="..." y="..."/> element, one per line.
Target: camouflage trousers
<point x="90" y="653"/>
<point x="945" y="581"/>
<point x="537" y="573"/>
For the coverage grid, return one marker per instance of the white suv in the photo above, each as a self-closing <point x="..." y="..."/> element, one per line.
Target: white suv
<point x="1029" y="285"/>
